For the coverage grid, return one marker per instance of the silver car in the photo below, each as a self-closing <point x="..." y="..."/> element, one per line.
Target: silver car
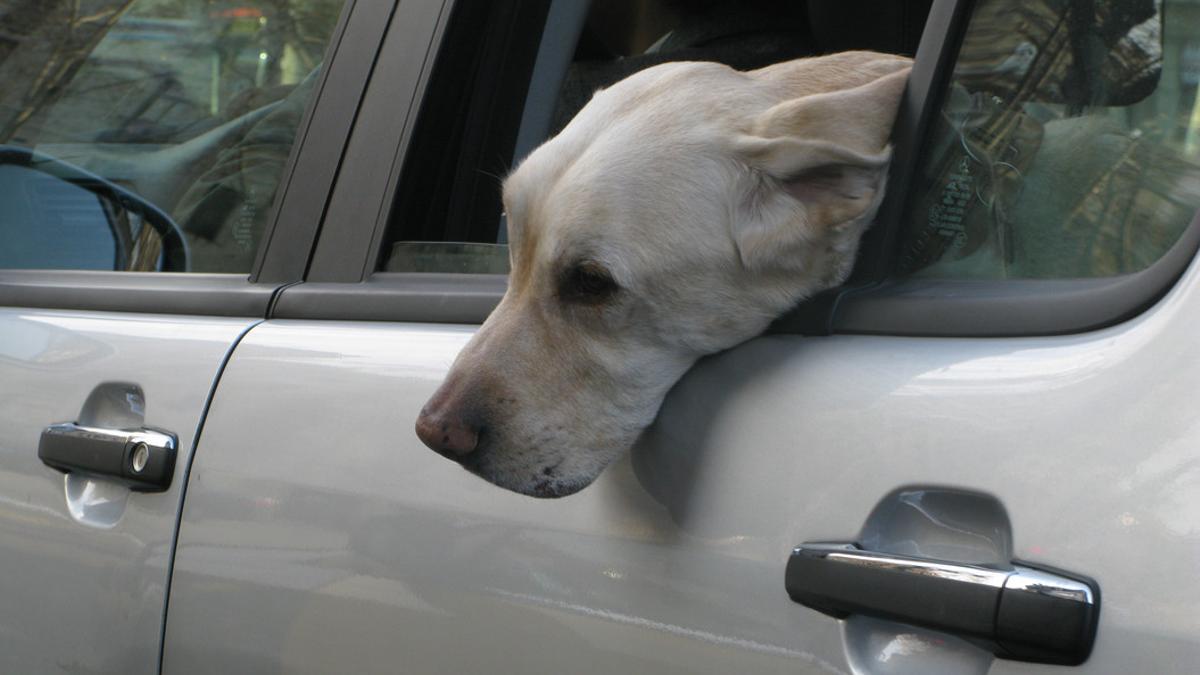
<point x="241" y="241"/>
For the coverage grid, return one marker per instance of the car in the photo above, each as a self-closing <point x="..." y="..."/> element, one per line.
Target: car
<point x="222" y="310"/>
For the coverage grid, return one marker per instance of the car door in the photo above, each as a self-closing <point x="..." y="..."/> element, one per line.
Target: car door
<point x="981" y="402"/>
<point x="123" y="126"/>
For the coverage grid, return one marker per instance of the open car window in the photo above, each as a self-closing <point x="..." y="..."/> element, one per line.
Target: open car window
<point x="495" y="94"/>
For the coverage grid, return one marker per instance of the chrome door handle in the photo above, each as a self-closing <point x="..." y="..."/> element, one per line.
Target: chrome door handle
<point x="143" y="459"/>
<point x="1023" y="613"/>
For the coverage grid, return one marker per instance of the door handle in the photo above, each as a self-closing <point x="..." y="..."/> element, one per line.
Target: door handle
<point x="1022" y="613"/>
<point x="143" y="459"/>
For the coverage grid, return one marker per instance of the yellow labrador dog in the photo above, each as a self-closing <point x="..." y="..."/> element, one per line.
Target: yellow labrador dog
<point x="680" y="212"/>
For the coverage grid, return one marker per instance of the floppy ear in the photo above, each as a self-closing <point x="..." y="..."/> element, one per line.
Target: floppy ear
<point x="819" y="163"/>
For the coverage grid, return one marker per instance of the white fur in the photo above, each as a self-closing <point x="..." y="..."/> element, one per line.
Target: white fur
<point x="716" y="199"/>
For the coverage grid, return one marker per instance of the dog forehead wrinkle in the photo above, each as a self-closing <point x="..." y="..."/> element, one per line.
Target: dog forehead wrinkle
<point x="540" y="209"/>
<point x="526" y="231"/>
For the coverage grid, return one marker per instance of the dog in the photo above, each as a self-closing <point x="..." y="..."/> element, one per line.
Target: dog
<point x="681" y="211"/>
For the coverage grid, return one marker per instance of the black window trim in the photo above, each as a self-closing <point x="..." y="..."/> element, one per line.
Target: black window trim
<point x="342" y="283"/>
<point x="288" y="239"/>
<point x="360" y="204"/>
<point x="872" y="302"/>
<point x="305" y="196"/>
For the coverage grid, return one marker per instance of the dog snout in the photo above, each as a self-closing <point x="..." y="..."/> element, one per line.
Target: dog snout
<point x="447" y="434"/>
<point x="447" y="427"/>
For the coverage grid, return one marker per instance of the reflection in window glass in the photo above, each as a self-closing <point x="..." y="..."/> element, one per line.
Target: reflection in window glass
<point x="192" y="105"/>
<point x="1068" y="144"/>
<point x="49" y="224"/>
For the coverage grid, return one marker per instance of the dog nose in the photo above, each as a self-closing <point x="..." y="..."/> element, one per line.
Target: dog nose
<point x="446" y="434"/>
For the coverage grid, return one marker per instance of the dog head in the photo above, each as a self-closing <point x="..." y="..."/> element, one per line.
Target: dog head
<point x="681" y="211"/>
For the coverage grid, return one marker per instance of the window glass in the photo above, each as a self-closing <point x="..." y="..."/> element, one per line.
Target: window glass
<point x="150" y="134"/>
<point x="1068" y="143"/>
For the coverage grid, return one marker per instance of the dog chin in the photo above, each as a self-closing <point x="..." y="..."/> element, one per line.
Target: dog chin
<point x="543" y="487"/>
<point x="550" y="488"/>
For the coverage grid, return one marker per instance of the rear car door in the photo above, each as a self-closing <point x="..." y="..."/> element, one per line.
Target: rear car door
<point x="153" y="159"/>
<point x="998" y="389"/>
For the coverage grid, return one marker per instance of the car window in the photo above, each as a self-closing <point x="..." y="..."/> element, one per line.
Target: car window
<point x="448" y="215"/>
<point x="1067" y="144"/>
<point x="150" y="134"/>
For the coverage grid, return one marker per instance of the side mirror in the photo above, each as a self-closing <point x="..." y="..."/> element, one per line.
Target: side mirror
<point x="56" y="215"/>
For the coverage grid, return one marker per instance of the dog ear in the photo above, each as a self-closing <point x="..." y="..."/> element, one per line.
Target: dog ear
<point x="819" y="162"/>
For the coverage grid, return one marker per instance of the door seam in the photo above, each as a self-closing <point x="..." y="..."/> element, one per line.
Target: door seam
<point x="183" y="485"/>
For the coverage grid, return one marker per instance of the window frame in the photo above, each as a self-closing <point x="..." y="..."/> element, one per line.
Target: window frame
<point x="283" y="252"/>
<point x="342" y="283"/>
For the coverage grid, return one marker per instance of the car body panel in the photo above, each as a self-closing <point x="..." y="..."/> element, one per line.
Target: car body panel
<point x="317" y="526"/>
<point x="85" y="560"/>
<point x="319" y="535"/>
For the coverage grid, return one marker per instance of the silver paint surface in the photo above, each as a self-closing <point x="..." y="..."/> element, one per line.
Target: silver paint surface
<point x="320" y="535"/>
<point x="83" y="562"/>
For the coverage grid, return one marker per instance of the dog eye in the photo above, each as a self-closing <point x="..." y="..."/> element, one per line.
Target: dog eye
<point x="588" y="282"/>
